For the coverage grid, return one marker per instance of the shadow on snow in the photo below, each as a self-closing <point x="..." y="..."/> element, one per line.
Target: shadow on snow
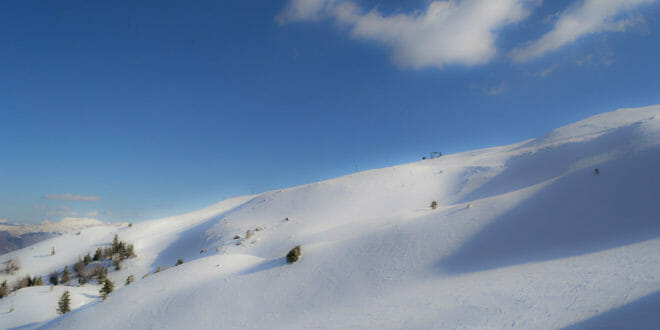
<point x="640" y="314"/>
<point x="579" y="213"/>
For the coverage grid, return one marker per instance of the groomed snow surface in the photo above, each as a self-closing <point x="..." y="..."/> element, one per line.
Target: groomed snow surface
<point x="525" y="236"/>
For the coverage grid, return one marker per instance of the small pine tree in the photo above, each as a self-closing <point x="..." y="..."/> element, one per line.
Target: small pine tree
<point x="434" y="205"/>
<point x="248" y="234"/>
<point x="117" y="264"/>
<point x="130" y="251"/>
<point x="98" y="254"/>
<point x="31" y="280"/>
<point x="64" y="305"/>
<point x="107" y="288"/>
<point x="38" y="281"/>
<point x="4" y="289"/>
<point x="179" y="262"/>
<point x="115" y="244"/>
<point x="157" y="270"/>
<point x="596" y="171"/>
<point x="294" y="255"/>
<point x="103" y="274"/>
<point x="130" y="279"/>
<point x="52" y="251"/>
<point x="87" y="259"/>
<point x="65" y="275"/>
<point x="53" y="278"/>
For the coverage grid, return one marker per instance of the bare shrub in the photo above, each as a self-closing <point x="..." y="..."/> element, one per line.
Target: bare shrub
<point x="79" y="267"/>
<point x="11" y="266"/>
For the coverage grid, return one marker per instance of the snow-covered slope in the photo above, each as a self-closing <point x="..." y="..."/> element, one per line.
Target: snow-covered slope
<point x="524" y="236"/>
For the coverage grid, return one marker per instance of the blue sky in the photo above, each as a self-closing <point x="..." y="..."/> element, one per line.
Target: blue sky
<point x="126" y="111"/>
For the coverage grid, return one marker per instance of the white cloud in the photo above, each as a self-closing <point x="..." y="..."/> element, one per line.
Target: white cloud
<point x="70" y="197"/>
<point x="588" y="17"/>
<point x="446" y="32"/>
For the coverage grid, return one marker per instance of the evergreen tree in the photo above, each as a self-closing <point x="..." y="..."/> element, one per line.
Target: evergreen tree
<point x="98" y="254"/>
<point x="87" y="259"/>
<point x="130" y="279"/>
<point x="4" y="289"/>
<point x="53" y="278"/>
<point x="65" y="275"/>
<point x="102" y="274"/>
<point x="115" y="244"/>
<point x="52" y="251"/>
<point x="107" y="288"/>
<point x="179" y="262"/>
<point x="64" y="305"/>
<point x="131" y="251"/>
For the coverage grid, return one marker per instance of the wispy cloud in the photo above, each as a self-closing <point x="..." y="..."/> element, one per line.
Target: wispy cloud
<point x="302" y="10"/>
<point x="62" y="211"/>
<point x="496" y="90"/>
<point x="70" y="197"/>
<point x="446" y="32"/>
<point x="586" y="18"/>
<point x="92" y="214"/>
<point x="546" y="72"/>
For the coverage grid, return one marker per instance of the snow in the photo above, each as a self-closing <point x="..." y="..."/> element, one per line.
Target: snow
<point x="525" y="236"/>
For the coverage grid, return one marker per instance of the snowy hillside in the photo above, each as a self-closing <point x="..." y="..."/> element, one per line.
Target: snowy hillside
<point x="525" y="236"/>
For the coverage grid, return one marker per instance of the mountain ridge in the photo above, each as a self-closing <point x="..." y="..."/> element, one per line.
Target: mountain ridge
<point x="527" y="235"/>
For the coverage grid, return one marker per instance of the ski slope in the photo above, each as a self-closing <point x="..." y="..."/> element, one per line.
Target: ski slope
<point x="526" y="236"/>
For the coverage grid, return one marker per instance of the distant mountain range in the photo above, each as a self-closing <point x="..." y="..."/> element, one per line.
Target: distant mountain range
<point x="15" y="236"/>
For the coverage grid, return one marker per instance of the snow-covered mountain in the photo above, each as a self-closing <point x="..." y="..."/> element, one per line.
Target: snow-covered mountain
<point x="558" y="231"/>
<point x="15" y="236"/>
